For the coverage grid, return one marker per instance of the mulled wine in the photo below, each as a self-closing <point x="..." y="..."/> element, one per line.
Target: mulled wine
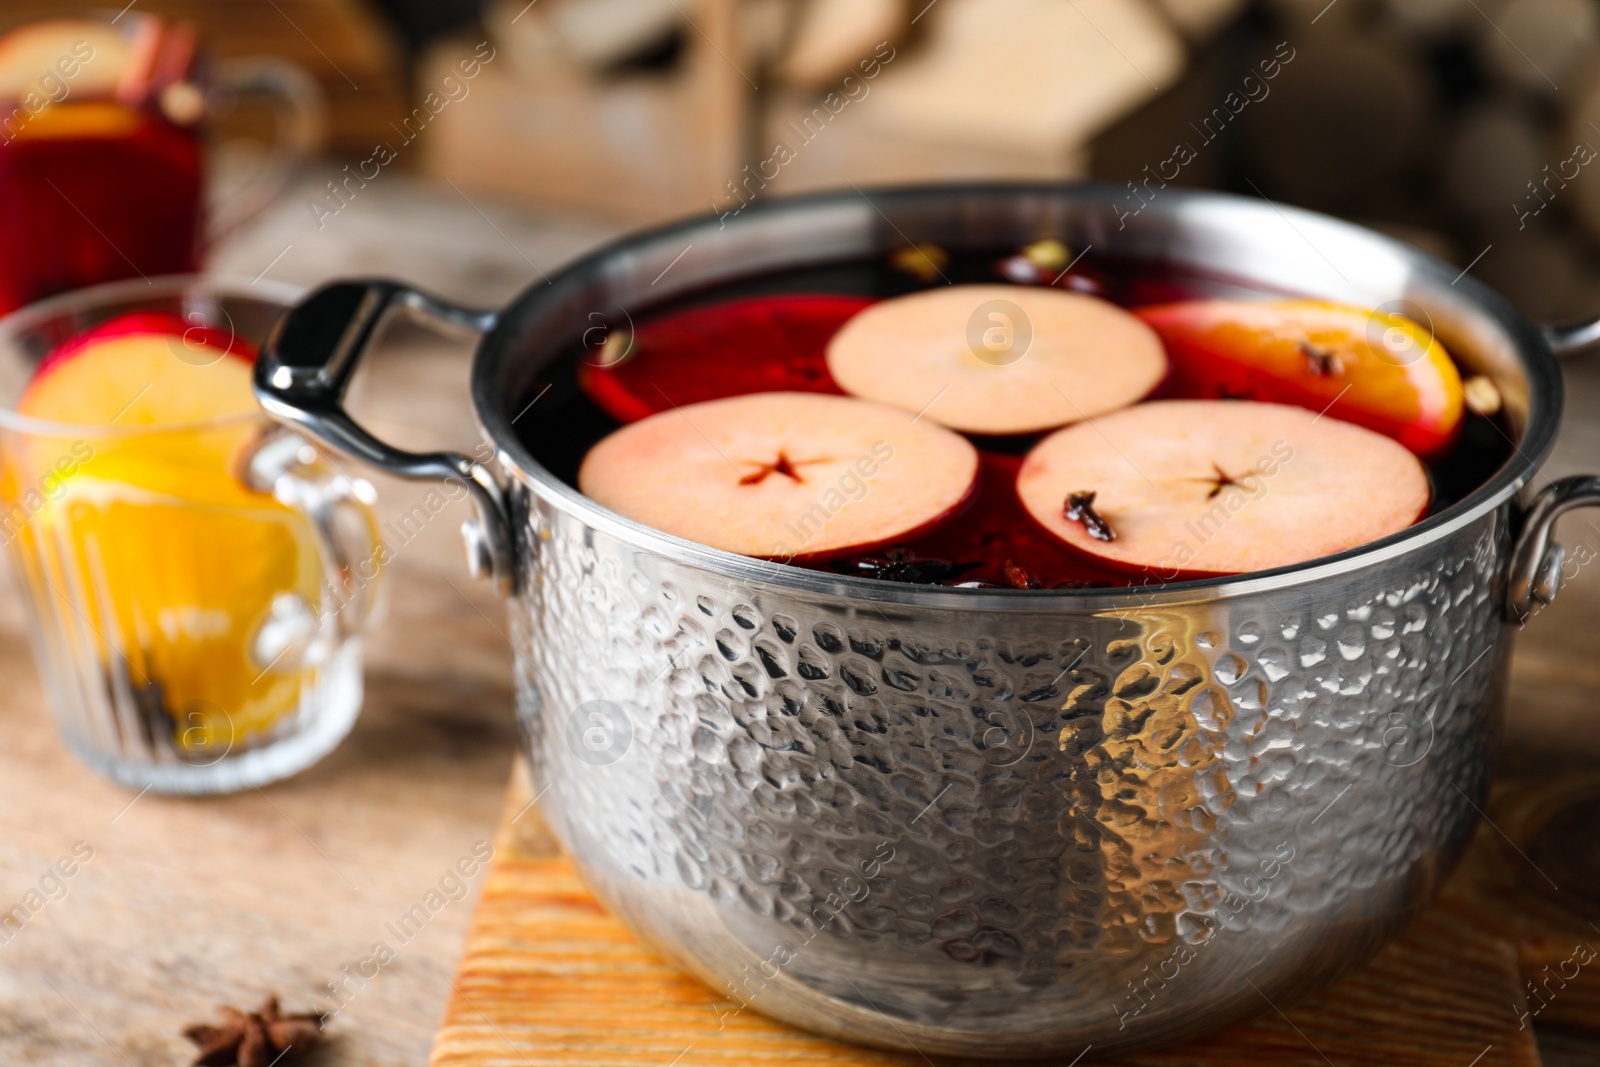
<point x="1049" y="423"/>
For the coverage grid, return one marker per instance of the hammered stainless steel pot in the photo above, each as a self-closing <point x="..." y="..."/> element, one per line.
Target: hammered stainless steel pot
<point x="982" y="822"/>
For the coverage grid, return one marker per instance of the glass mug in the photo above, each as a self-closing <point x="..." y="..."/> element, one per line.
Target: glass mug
<point x="102" y="149"/>
<point x="196" y="590"/>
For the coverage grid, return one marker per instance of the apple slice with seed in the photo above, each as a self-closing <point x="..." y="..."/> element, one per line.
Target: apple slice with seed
<point x="1370" y="367"/>
<point x="998" y="359"/>
<point x="1192" y="488"/>
<point x="782" y="475"/>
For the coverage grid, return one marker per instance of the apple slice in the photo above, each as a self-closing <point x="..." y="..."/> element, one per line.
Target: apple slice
<point x="188" y="393"/>
<point x="1374" y="368"/>
<point x="782" y="475"/>
<point x="88" y="55"/>
<point x="1193" y="488"/>
<point x="998" y="359"/>
<point x="195" y="343"/>
<point x="142" y="369"/>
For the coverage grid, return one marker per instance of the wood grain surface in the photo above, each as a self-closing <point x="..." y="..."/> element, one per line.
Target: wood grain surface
<point x="1537" y="881"/>
<point x="550" y="978"/>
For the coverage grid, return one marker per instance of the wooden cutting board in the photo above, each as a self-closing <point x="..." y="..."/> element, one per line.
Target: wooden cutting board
<point x="550" y="979"/>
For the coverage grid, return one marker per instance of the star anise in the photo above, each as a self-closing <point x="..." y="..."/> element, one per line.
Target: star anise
<point x="261" y="1038"/>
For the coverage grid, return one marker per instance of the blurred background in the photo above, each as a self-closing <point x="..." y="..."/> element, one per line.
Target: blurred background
<point x="473" y="146"/>
<point x="1463" y="126"/>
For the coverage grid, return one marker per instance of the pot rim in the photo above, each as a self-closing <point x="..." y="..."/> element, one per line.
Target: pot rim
<point x="499" y="348"/>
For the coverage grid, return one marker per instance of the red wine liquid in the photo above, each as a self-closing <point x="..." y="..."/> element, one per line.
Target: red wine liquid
<point x="771" y="334"/>
<point x="94" y="192"/>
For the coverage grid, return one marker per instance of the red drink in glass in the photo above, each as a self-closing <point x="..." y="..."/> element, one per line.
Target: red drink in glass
<point x="94" y="191"/>
<point x="102" y="149"/>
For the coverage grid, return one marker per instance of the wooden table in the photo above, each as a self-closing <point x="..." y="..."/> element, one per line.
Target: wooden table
<point x="188" y="903"/>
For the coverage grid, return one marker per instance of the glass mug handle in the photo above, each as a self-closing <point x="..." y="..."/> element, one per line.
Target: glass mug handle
<point x="345" y="528"/>
<point x="301" y="118"/>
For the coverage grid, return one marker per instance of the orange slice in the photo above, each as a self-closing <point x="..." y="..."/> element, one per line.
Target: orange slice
<point x="1373" y="368"/>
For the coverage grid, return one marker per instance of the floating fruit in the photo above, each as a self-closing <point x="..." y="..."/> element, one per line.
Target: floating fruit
<point x="1373" y="368"/>
<point x="997" y="359"/>
<point x="782" y="475"/>
<point x="1190" y="488"/>
<point x="760" y="344"/>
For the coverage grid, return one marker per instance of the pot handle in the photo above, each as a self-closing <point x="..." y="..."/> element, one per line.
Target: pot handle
<point x="1572" y="338"/>
<point x="306" y="366"/>
<point x="1536" y="560"/>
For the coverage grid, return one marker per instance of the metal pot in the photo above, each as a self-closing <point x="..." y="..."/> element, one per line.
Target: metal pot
<point x="977" y="822"/>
